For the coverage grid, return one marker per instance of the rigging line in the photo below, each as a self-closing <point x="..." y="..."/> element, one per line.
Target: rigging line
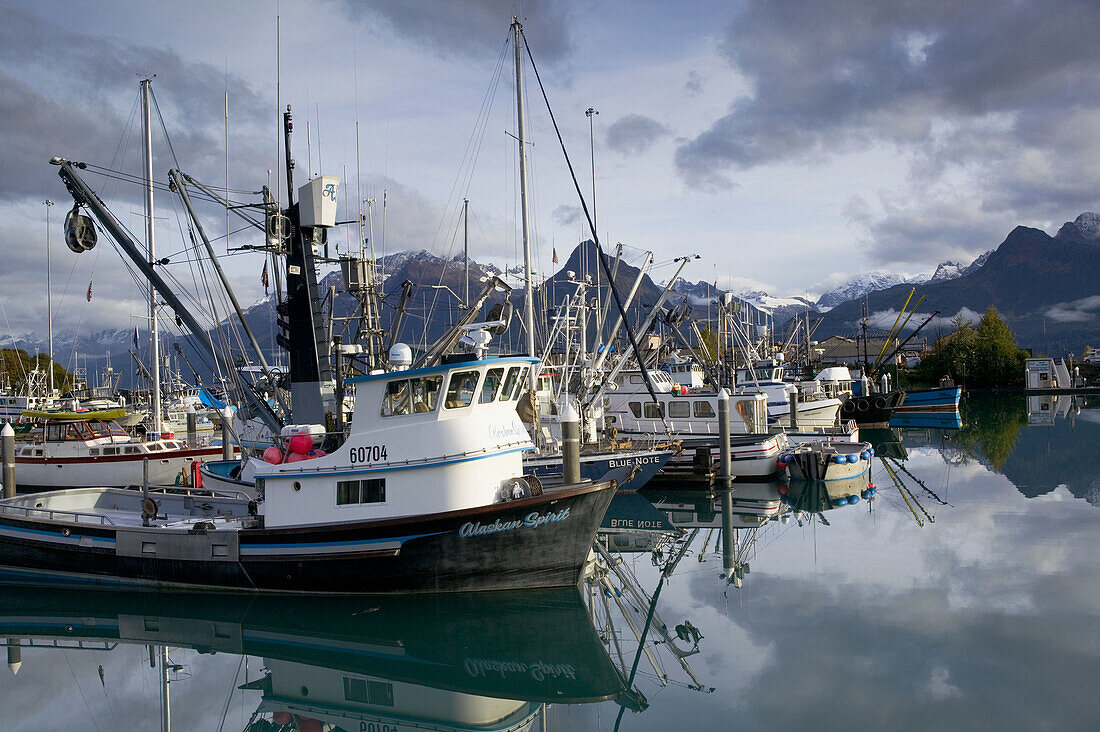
<point x="79" y="688"/>
<point x="11" y="334"/>
<point x="595" y="236"/>
<point x="483" y="112"/>
<point x="164" y="128"/>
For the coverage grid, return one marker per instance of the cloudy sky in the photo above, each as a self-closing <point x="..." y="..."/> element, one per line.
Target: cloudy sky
<point x="789" y="144"/>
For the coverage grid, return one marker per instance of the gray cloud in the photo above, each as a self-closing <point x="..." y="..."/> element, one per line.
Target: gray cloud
<point x="1005" y="93"/>
<point x="694" y="83"/>
<point x="567" y="215"/>
<point x="472" y="27"/>
<point x="90" y="88"/>
<point x="634" y="134"/>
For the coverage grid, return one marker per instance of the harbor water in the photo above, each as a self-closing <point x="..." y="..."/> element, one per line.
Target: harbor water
<point x="964" y="593"/>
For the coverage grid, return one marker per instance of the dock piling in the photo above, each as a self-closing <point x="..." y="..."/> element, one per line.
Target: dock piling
<point x="570" y="444"/>
<point x="227" y="446"/>
<point x="192" y="428"/>
<point x="7" y="437"/>
<point x="724" y="436"/>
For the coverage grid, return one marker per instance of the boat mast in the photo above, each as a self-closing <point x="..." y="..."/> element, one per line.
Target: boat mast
<point x="49" y="294"/>
<point x="466" y="250"/>
<point x="528" y="294"/>
<point x="154" y="345"/>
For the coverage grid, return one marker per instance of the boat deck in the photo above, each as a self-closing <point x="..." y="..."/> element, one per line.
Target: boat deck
<point x="175" y="508"/>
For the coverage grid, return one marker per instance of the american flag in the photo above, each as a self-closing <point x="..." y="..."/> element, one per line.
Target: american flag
<point x="555" y="255"/>
<point x="263" y="278"/>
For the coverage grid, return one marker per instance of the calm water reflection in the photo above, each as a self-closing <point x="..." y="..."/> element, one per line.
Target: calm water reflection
<point x="964" y="593"/>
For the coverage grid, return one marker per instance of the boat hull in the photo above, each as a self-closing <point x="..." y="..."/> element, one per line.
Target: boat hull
<point x="830" y="461"/>
<point x="644" y="465"/>
<point x="751" y="456"/>
<point x="932" y="400"/>
<point x="542" y="541"/>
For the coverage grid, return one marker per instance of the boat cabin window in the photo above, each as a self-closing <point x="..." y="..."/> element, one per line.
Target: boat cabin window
<point x="372" y="490"/>
<point x="460" y="390"/>
<point x="653" y="410"/>
<point x="703" y="409"/>
<point x="521" y="383"/>
<point x="679" y="409"/>
<point x="411" y="396"/>
<point x="636" y="408"/>
<point x="489" y="390"/>
<point x="59" y="432"/>
<point x="509" y="382"/>
<point x="634" y="379"/>
<point x="425" y="393"/>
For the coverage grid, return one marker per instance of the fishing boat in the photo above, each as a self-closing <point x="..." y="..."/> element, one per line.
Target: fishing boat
<point x="73" y="449"/>
<point x="426" y="494"/>
<point x="423" y="492"/>
<point x="828" y="460"/>
<point x="596" y="463"/>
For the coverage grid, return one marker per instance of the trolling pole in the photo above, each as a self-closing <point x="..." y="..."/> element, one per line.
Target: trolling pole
<point x="181" y="189"/>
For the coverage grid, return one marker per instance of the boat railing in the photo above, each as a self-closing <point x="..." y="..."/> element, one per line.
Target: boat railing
<point x="54" y="513"/>
<point x="187" y="491"/>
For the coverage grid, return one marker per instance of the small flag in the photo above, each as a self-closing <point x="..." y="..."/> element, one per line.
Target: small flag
<point x="555" y="255"/>
<point x="135" y="340"/>
<point x="89" y="290"/>
<point x="263" y="278"/>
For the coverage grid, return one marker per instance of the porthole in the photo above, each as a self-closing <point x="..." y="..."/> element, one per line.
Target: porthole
<point x="297" y="486"/>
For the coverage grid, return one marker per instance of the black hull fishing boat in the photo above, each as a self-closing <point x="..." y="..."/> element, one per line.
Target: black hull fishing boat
<point x="424" y="491"/>
<point x="542" y="541"/>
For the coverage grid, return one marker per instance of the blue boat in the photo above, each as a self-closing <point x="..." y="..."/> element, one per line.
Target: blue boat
<point x="944" y="398"/>
<point x="938" y="420"/>
<point x="643" y="465"/>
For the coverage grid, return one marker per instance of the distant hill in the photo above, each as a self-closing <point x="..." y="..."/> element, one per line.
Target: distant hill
<point x="1047" y="289"/>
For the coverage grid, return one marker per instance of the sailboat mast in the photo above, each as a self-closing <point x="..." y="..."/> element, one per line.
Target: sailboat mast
<point x="154" y="339"/>
<point x="528" y="293"/>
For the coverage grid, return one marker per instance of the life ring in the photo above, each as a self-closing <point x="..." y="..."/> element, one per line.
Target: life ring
<point x="880" y="403"/>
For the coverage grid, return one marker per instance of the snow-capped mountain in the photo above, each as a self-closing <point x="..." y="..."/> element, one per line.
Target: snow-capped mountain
<point x="859" y="286"/>
<point x="946" y="271"/>
<point x="1085" y="228"/>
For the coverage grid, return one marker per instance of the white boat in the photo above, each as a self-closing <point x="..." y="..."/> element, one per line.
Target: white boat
<point x="84" y="449"/>
<point x="766" y="376"/>
<point x="829" y="460"/>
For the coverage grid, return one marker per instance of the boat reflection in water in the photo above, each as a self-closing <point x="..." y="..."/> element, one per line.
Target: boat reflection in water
<point x="460" y="662"/>
<point x="817" y="496"/>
